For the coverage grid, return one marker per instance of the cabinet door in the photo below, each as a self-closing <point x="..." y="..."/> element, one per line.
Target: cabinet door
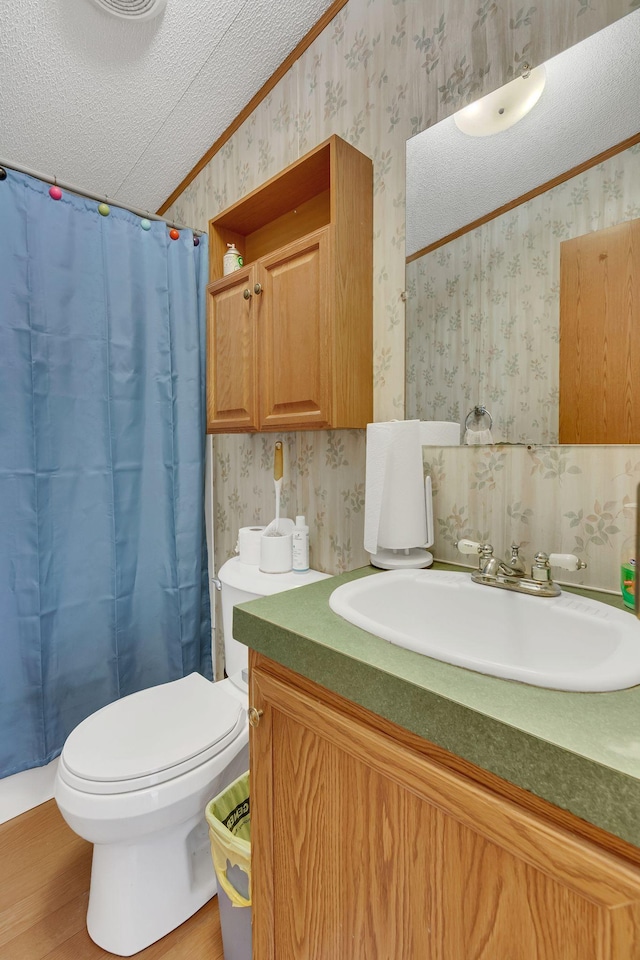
<point x="294" y="320"/>
<point x="599" y="343"/>
<point x="231" y="354"/>
<point x="363" y="848"/>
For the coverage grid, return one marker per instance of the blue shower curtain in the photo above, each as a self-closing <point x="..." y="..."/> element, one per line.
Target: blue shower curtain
<point x="103" y="573"/>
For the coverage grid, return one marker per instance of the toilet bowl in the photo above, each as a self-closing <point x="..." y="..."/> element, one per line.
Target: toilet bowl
<point x="135" y="777"/>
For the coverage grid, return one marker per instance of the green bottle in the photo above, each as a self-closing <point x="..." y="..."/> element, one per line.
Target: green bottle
<point x="628" y="572"/>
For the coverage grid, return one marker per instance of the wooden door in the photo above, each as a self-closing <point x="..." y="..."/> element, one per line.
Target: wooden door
<point x="231" y="354"/>
<point x="363" y="848"/>
<point x="294" y="321"/>
<point x="600" y="336"/>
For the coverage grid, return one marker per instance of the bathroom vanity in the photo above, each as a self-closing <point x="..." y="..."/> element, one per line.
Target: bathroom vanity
<point x="406" y="808"/>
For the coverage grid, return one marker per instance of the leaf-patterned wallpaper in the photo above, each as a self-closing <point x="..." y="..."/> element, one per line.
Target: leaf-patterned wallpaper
<point x="563" y="499"/>
<point x="381" y="71"/>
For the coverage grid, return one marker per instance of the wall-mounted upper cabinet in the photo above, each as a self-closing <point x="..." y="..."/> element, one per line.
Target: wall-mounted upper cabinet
<point x="289" y="335"/>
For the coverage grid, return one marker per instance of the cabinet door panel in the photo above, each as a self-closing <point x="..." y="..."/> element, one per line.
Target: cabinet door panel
<point x="231" y="355"/>
<point x="388" y="902"/>
<point x="294" y="322"/>
<point x="364" y="848"/>
<point x="599" y="344"/>
<point x="492" y="903"/>
<point x="305" y="798"/>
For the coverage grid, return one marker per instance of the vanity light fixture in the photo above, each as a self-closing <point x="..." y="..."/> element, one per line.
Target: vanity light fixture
<point x="502" y="108"/>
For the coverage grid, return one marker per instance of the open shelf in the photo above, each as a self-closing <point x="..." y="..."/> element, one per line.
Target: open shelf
<point x="291" y="205"/>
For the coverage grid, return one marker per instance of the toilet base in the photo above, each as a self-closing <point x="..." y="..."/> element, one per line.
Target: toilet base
<point x="141" y="891"/>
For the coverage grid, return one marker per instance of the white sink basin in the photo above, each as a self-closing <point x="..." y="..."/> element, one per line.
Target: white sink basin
<point x="565" y="642"/>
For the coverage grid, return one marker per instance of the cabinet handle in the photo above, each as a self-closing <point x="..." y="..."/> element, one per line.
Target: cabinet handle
<point x="257" y="288"/>
<point x="254" y="716"/>
<point x="247" y="293"/>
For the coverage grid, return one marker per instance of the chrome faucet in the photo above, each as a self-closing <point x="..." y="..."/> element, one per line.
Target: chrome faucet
<point x="511" y="574"/>
<point x="491" y="566"/>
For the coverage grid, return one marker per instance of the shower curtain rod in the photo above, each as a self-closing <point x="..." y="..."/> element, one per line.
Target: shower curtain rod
<point x="94" y="196"/>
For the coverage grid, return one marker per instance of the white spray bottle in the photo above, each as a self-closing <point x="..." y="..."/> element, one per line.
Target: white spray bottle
<point x="300" y="546"/>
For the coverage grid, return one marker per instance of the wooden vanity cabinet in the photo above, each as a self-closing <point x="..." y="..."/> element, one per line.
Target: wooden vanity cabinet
<point x="365" y="847"/>
<point x="289" y="336"/>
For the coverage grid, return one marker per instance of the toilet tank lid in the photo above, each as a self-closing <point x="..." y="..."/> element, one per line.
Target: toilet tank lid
<point x="251" y="579"/>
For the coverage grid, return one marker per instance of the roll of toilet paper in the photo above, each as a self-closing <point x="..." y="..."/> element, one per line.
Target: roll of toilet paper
<point x="249" y="544"/>
<point x="276" y="553"/>
<point x="439" y="433"/>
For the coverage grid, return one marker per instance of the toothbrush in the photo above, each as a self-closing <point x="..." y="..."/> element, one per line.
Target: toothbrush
<point x="277" y="482"/>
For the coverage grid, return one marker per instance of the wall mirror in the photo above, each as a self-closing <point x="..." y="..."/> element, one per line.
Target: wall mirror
<point x="499" y="261"/>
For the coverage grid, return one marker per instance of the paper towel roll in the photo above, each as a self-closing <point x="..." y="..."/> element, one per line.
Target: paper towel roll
<point x="439" y="433"/>
<point x="395" y="512"/>
<point x="249" y="544"/>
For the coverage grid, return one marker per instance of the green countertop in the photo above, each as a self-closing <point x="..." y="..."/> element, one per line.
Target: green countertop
<point x="580" y="751"/>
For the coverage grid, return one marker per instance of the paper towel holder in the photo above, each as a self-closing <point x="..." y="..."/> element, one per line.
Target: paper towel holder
<point x="409" y="558"/>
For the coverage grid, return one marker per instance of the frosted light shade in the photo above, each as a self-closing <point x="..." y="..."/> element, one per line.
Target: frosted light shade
<point x="501" y="108"/>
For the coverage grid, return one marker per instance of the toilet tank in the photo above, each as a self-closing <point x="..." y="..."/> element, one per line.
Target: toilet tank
<point x="242" y="582"/>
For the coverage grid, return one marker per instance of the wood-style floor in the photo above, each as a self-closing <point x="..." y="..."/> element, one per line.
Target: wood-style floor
<point x="44" y="889"/>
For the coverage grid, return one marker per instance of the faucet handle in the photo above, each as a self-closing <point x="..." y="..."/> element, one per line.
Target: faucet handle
<point x="484" y="552"/>
<point x="568" y="561"/>
<point x="468" y="546"/>
<point x="541" y="569"/>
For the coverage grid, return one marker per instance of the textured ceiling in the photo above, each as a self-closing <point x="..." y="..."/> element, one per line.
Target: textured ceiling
<point x="126" y="109"/>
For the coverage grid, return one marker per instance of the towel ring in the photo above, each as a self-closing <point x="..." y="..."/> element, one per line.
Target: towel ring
<point x="476" y="413"/>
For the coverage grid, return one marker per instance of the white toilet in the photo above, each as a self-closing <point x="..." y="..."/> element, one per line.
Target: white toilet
<point x="134" y="779"/>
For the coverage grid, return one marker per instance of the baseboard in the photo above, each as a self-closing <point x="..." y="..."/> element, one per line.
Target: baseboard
<point x="25" y="790"/>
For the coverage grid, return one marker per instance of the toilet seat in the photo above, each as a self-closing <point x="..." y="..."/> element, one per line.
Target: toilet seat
<point x="178" y="726"/>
